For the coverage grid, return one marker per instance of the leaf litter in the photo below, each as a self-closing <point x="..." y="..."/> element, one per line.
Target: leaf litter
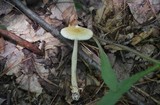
<point x="46" y="80"/>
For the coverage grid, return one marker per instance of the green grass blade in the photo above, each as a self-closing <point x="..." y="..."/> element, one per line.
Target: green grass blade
<point x="107" y="72"/>
<point x="113" y="96"/>
<point x="77" y="5"/>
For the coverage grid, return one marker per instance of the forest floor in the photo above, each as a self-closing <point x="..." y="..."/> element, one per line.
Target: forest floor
<point x="35" y="60"/>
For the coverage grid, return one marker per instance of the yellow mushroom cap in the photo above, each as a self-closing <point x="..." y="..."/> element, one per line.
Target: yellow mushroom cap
<point x="76" y="33"/>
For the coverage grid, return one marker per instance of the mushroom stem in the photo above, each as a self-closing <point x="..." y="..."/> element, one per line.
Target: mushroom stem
<point x="75" y="92"/>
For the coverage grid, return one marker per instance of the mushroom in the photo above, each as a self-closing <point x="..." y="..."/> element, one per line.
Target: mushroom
<point x="75" y="33"/>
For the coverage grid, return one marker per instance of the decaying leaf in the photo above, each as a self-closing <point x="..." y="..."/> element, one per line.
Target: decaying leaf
<point x="143" y="10"/>
<point x="113" y="48"/>
<point x="103" y="11"/>
<point x="45" y="1"/>
<point x="108" y="8"/>
<point x="59" y="7"/>
<point x="147" y="49"/>
<point x="118" y="5"/>
<point x="5" y="7"/>
<point x="20" y="26"/>
<point x="28" y="72"/>
<point x="54" y="22"/>
<point x="14" y="57"/>
<point x="123" y="69"/>
<point x="40" y="32"/>
<point x="155" y="6"/>
<point x="70" y="16"/>
<point x="30" y="83"/>
<point x="141" y="36"/>
<point x="18" y="63"/>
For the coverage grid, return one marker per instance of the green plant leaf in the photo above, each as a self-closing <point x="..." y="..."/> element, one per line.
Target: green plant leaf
<point x="113" y="96"/>
<point x="77" y="5"/>
<point x="107" y="72"/>
<point x="3" y="27"/>
<point x="115" y="93"/>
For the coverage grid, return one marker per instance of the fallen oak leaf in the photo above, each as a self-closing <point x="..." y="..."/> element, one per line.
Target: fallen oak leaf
<point x="70" y="16"/>
<point x="55" y="32"/>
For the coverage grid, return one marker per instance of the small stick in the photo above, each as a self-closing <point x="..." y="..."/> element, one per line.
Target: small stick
<point x="55" y="32"/>
<point x="18" y="40"/>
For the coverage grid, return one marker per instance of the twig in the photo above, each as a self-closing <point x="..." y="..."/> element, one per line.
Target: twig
<point x="55" y="32"/>
<point x="135" y="99"/>
<point x="146" y="94"/>
<point x="133" y="51"/>
<point x="18" y="40"/>
<point x="54" y="98"/>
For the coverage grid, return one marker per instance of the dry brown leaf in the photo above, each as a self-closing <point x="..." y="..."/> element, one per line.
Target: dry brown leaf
<point x="123" y="69"/>
<point x="113" y="48"/>
<point x="15" y="56"/>
<point x="30" y="83"/>
<point x="155" y="5"/>
<point x="40" y="32"/>
<point x="70" y="16"/>
<point x="62" y="10"/>
<point x="45" y="1"/>
<point x="143" y="10"/>
<point x="25" y="73"/>
<point x="54" y="22"/>
<point x="146" y="49"/>
<point x="100" y="13"/>
<point x="141" y="36"/>
<point x="21" y="27"/>
<point x="67" y="13"/>
<point x="118" y="5"/>
<point x="59" y="7"/>
<point x="5" y="7"/>
<point x="73" y="20"/>
<point x="50" y="41"/>
<point x="104" y="11"/>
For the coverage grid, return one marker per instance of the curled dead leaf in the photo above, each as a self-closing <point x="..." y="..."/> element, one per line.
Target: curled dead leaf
<point x="53" y="21"/>
<point x="141" y="36"/>
<point x="58" y="7"/>
<point x="143" y="10"/>
<point x="70" y="16"/>
<point x="30" y="83"/>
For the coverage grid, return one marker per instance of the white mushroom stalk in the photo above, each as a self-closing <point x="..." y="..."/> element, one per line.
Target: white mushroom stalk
<point x="74" y="87"/>
<point x="75" y="33"/>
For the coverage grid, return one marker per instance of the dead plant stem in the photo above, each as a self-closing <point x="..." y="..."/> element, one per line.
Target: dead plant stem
<point x="132" y="50"/>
